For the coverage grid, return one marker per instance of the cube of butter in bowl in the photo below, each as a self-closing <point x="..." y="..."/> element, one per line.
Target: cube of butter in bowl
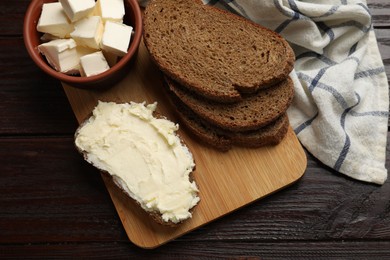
<point x="59" y="33"/>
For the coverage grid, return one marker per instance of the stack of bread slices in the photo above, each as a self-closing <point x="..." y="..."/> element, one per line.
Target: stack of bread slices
<point x="227" y="78"/>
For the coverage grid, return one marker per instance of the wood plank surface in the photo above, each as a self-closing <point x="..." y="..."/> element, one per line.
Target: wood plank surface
<point x="227" y="180"/>
<point x="27" y="95"/>
<point x="54" y="205"/>
<point x="380" y="12"/>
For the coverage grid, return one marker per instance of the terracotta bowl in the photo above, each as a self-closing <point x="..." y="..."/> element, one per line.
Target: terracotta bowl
<point x="106" y="79"/>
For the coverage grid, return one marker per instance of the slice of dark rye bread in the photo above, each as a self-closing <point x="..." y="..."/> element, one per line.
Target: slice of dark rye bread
<point x="216" y="53"/>
<point x="253" y="112"/>
<point x="224" y="140"/>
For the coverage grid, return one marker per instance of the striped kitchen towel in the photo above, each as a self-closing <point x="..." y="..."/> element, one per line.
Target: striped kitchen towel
<point x="341" y="103"/>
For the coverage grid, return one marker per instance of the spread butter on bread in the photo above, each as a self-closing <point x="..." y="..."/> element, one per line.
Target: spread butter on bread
<point x="213" y="52"/>
<point x="145" y="157"/>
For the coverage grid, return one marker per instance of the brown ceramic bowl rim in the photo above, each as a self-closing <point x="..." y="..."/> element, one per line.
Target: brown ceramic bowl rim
<point x="41" y="62"/>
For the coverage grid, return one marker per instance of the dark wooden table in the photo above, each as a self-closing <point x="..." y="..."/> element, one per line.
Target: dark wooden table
<point x="53" y="204"/>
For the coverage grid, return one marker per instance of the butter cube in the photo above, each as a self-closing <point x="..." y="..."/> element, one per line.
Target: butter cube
<point x="111" y="10"/>
<point x="54" y="21"/>
<point x="82" y="51"/>
<point x="77" y="9"/>
<point x="61" y="54"/>
<point x="93" y="64"/>
<point x="116" y="38"/>
<point x="88" y="32"/>
<point x="47" y="37"/>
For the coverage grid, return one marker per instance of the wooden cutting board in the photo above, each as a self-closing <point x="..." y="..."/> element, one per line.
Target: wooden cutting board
<point x="227" y="181"/>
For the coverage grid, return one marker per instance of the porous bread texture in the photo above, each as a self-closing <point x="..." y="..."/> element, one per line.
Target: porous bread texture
<point x="213" y="52"/>
<point x="253" y="112"/>
<point x="224" y="140"/>
<point x="271" y="134"/>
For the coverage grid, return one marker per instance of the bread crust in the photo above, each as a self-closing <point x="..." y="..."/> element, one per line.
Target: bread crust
<point x="253" y="112"/>
<point x="222" y="139"/>
<point x="206" y="75"/>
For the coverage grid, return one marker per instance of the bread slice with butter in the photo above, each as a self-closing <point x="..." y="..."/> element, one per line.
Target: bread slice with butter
<point x="217" y="54"/>
<point x="145" y="157"/>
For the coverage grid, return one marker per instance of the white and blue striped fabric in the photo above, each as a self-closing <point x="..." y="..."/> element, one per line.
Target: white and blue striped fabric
<point x="341" y="103"/>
